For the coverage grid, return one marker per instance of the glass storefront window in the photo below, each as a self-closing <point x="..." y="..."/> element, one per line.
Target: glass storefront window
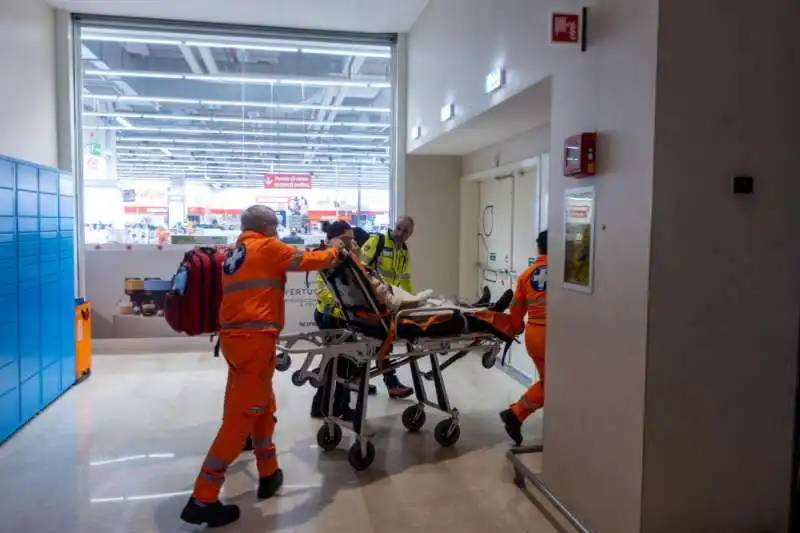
<point x="182" y="130"/>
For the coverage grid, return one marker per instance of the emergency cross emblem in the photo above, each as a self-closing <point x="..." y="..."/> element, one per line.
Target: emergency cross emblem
<point x="234" y="260"/>
<point x="539" y="279"/>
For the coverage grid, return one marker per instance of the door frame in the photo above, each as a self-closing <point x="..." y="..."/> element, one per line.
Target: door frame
<point x="470" y="253"/>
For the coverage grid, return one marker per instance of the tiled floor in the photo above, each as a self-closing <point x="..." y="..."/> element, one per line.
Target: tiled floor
<point x="119" y="453"/>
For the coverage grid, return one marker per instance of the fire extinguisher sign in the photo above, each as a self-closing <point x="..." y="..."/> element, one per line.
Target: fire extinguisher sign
<point x="565" y="28"/>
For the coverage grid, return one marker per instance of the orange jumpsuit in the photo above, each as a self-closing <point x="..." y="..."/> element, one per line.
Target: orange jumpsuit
<point x="530" y="297"/>
<point x="251" y="317"/>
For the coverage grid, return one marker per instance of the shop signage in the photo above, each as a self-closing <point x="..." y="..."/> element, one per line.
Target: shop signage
<point x="287" y="181"/>
<point x="145" y="210"/>
<point x="565" y="28"/>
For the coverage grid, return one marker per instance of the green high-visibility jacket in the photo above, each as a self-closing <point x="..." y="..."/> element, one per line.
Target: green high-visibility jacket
<point x="393" y="264"/>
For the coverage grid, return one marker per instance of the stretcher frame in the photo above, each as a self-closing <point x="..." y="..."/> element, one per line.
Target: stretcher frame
<point x="330" y="347"/>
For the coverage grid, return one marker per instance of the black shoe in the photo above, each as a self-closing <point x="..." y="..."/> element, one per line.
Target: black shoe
<point x="503" y="302"/>
<point x="268" y="486"/>
<point x="316" y="405"/>
<point x="372" y="390"/>
<point x="513" y="425"/>
<point x="486" y="297"/>
<point x="214" y="514"/>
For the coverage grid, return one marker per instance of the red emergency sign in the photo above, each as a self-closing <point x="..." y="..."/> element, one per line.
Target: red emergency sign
<point x="565" y="28"/>
<point x="287" y="181"/>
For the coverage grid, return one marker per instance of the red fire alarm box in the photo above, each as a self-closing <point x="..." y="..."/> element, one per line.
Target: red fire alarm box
<point x="580" y="156"/>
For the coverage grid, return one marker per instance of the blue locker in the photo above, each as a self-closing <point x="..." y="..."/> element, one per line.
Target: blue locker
<point x="9" y="364"/>
<point x="51" y="382"/>
<point x="9" y="413"/>
<point x="37" y="352"/>
<point x="27" y="177"/>
<point x="30" y="397"/>
<point x="8" y="174"/>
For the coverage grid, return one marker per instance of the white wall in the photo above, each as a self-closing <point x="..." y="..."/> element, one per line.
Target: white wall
<point x="518" y="148"/>
<point x="456" y="43"/>
<point x="723" y="340"/>
<point x="28" y="89"/>
<point x="433" y="188"/>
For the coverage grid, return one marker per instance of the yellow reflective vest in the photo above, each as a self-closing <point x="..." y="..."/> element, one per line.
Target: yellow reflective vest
<point x="325" y="302"/>
<point x="393" y="264"/>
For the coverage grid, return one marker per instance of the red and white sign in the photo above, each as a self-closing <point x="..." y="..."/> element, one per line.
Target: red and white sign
<point x="565" y="28"/>
<point x="287" y="181"/>
<point x="145" y="210"/>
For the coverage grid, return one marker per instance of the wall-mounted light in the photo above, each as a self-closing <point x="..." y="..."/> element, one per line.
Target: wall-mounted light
<point x="495" y="80"/>
<point x="448" y="112"/>
<point x="417" y="132"/>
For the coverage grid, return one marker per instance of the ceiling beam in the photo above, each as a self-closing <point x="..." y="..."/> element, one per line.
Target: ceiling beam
<point x="191" y="60"/>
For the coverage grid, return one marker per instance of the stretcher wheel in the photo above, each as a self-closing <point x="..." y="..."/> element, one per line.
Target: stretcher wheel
<point x="297" y="378"/>
<point x="447" y="433"/>
<point x="488" y="360"/>
<point x="356" y="460"/>
<point x="327" y="438"/>
<point x="284" y="363"/>
<point x="413" y="418"/>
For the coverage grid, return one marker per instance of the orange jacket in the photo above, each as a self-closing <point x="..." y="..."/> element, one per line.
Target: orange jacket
<point x="254" y="279"/>
<point x="530" y="296"/>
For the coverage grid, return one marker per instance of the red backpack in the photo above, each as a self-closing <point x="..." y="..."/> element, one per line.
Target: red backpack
<point x="192" y="306"/>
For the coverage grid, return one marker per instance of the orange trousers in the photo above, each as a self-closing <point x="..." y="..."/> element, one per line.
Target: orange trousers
<point x="249" y="410"/>
<point x="533" y="399"/>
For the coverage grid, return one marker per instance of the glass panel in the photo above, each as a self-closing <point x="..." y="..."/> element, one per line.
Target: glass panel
<point x="183" y="130"/>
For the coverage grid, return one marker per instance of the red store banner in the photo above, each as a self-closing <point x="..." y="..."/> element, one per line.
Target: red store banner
<point x="144" y="210"/>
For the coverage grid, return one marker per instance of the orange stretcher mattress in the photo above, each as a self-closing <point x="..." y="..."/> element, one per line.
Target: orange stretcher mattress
<point x="366" y="313"/>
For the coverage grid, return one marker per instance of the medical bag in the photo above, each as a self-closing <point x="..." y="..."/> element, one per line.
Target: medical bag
<point x="192" y="304"/>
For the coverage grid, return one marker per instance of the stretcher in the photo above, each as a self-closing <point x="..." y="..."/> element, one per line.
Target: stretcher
<point x="378" y="340"/>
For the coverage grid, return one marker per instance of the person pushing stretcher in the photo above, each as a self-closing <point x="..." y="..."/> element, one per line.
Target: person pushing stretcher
<point x="251" y="318"/>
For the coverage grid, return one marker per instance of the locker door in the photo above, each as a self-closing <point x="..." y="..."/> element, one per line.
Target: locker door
<point x="494" y="235"/>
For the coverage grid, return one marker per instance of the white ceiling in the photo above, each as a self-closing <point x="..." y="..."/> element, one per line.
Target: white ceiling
<point x="522" y="112"/>
<point x="375" y="16"/>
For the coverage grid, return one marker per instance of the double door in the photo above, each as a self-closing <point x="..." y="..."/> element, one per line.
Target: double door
<point x="513" y="210"/>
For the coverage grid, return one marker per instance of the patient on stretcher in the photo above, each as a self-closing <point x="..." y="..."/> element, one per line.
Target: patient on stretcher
<point x="397" y="299"/>
<point x="379" y="310"/>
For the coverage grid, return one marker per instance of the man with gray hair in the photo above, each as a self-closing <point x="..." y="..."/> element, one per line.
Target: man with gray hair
<point x="387" y="253"/>
<point x="251" y="317"/>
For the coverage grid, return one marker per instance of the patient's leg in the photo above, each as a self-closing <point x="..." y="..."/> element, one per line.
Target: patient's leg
<point x="503" y="302"/>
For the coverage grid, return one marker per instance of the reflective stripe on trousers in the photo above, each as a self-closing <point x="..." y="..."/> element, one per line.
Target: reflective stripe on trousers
<point x="260" y="283"/>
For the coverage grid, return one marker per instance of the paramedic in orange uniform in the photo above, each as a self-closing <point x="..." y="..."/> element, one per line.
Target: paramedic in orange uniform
<point x="251" y="317"/>
<point x="530" y="298"/>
